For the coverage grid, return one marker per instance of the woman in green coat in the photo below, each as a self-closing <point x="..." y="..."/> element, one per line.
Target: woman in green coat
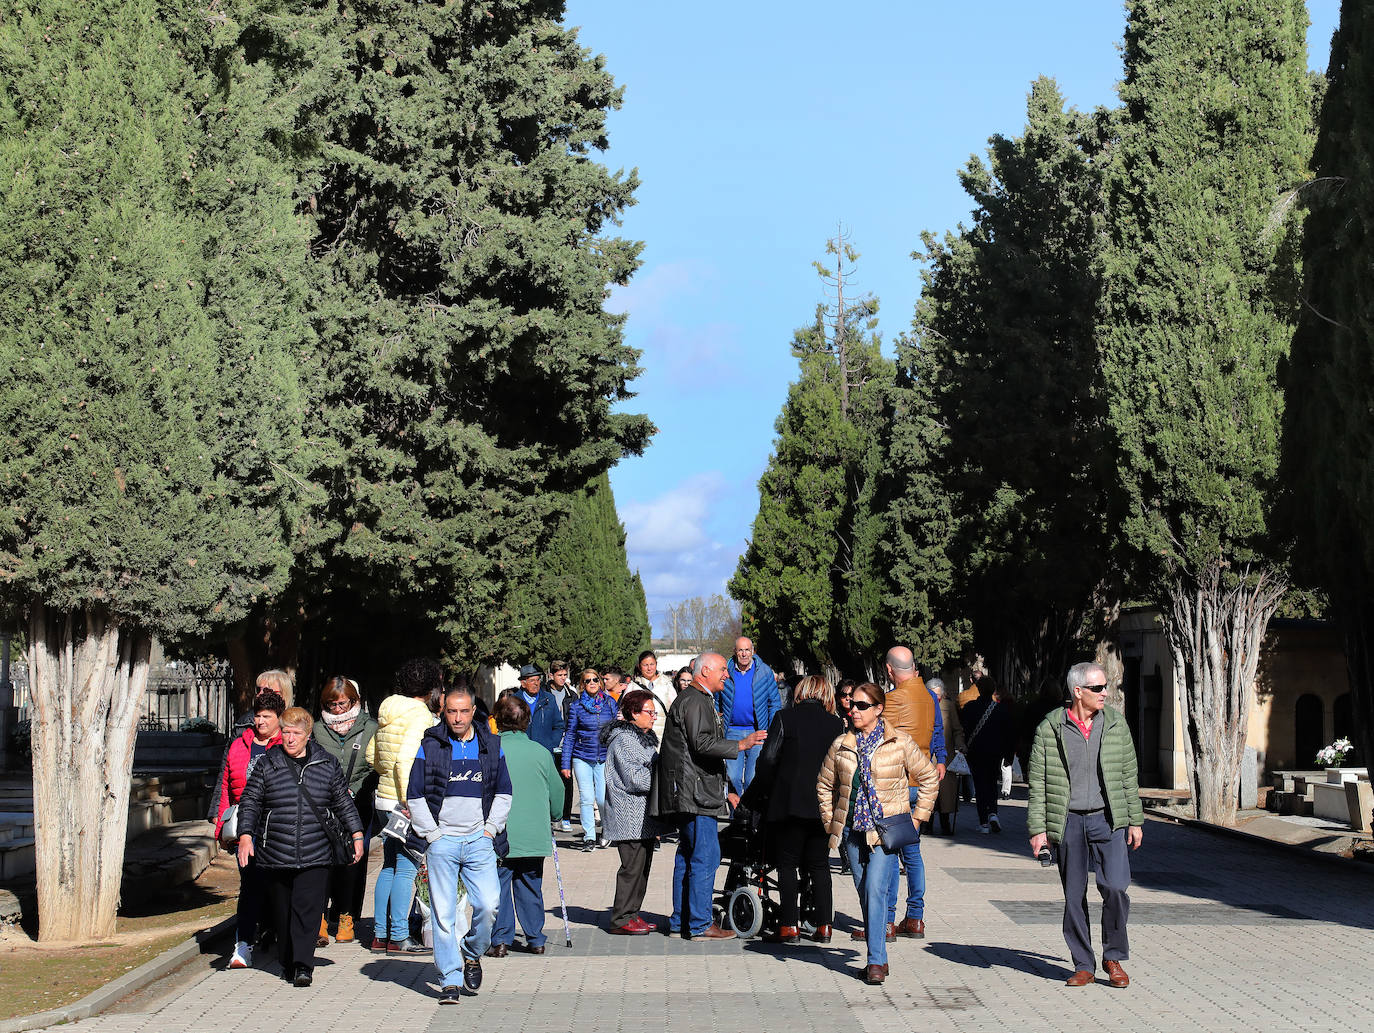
<point x="536" y="802"/>
<point x="344" y="731"/>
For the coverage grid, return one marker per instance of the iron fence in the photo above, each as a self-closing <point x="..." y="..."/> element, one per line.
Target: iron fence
<point x="180" y="693"/>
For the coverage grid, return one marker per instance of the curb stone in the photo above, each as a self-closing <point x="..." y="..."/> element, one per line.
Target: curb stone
<point x="146" y="974"/>
<point x="1292" y="849"/>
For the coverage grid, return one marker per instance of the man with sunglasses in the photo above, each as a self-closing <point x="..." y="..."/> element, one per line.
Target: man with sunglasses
<point x="1085" y="799"/>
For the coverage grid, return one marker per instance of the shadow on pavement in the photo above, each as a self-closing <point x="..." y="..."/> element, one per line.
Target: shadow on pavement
<point x="976" y="955"/>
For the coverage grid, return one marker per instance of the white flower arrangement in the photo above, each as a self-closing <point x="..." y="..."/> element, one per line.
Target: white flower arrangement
<point x="1333" y="756"/>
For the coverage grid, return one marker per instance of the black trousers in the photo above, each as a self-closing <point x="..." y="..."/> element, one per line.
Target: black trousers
<point x="987" y="776"/>
<point x="296" y="898"/>
<point x="632" y="881"/>
<point x="567" y="794"/>
<point x="1089" y="844"/>
<point x="802" y="846"/>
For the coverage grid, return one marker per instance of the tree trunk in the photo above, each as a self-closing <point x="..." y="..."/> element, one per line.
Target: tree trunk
<point x="1357" y="620"/>
<point x="1215" y="632"/>
<point x="87" y="676"/>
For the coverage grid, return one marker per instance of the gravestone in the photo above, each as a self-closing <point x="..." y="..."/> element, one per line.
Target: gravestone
<point x="1249" y="779"/>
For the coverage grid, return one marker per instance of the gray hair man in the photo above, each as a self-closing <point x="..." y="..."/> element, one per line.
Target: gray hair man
<point x="1085" y="799"/>
<point x="690" y="789"/>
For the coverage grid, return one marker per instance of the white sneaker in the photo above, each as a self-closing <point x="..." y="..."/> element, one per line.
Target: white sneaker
<point x="242" y="957"/>
<point x="984" y="829"/>
<point x="565" y="826"/>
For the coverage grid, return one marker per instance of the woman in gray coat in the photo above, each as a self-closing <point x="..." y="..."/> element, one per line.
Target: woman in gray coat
<point x="631" y="748"/>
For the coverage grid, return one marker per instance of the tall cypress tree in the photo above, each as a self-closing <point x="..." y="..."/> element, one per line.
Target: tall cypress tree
<point x="583" y="604"/>
<point x="464" y="247"/>
<point x="1329" y="384"/>
<point x="795" y="579"/>
<point x="1008" y="313"/>
<point x="1199" y="307"/>
<point x="145" y="465"/>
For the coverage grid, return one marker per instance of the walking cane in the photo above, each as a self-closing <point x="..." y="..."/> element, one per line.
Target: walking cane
<point x="562" y="904"/>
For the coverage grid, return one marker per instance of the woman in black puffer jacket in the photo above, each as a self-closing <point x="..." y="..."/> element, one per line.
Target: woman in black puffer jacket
<point x="291" y="845"/>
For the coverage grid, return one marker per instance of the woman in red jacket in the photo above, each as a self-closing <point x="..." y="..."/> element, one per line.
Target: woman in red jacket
<point x="244" y="754"/>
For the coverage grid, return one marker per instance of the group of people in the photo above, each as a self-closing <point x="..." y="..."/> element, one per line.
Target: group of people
<point x="474" y="797"/>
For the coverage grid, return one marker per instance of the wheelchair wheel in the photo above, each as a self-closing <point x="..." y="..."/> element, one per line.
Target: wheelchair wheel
<point x="745" y="912"/>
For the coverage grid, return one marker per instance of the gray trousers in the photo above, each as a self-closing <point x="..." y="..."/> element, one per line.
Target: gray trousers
<point x="1089" y="844"/>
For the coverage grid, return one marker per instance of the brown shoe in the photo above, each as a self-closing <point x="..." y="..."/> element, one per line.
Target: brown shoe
<point x="823" y="934"/>
<point x="861" y="934"/>
<point x="786" y="934"/>
<point x="497" y="950"/>
<point x="322" y="938"/>
<point x="1116" y="975"/>
<point x="345" y="933"/>
<point x="1080" y="978"/>
<point x="875" y="974"/>
<point x="915" y="928"/>
<point x="713" y="932"/>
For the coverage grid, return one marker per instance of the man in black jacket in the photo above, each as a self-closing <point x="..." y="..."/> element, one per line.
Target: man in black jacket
<point x="690" y="790"/>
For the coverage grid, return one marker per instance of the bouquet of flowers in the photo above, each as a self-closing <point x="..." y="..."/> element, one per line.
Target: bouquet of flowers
<point x="1333" y="756"/>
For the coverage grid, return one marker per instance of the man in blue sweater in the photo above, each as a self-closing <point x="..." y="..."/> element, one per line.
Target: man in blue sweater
<point x="459" y="798"/>
<point x="747" y="704"/>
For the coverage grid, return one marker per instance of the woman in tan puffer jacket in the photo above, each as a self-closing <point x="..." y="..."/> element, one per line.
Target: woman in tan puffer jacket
<point x="864" y="779"/>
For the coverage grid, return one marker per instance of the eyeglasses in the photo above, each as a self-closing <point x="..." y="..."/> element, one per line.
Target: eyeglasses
<point x="589" y="681"/>
<point x="846" y="695"/>
<point x="863" y="704"/>
<point x="649" y="712"/>
<point x="1095" y="688"/>
<point x="338" y="706"/>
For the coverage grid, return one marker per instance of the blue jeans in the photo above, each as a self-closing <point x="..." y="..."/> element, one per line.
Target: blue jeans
<point x="874" y="869"/>
<point x="522" y="897"/>
<point x="591" y="786"/>
<point x="694" y="874"/>
<point x="391" y="897"/>
<point x="915" y="876"/>
<point x="740" y="771"/>
<point x="455" y="937"/>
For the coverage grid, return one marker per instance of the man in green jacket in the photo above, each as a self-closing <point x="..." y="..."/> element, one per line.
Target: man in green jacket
<point x="1085" y="799"/>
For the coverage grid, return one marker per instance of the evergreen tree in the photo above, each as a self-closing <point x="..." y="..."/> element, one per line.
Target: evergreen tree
<point x="914" y="543"/>
<point x="468" y="370"/>
<point x="1329" y="383"/>
<point x="794" y="580"/>
<point x="1007" y="314"/>
<point x="583" y="604"/>
<point x="1199" y="306"/>
<point x="146" y="466"/>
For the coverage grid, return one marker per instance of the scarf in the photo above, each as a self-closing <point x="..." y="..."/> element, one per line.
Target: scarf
<point x="867" y="809"/>
<point x="342" y="724"/>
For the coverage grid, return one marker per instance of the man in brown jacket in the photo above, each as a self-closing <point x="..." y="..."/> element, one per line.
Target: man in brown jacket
<point x="912" y="708"/>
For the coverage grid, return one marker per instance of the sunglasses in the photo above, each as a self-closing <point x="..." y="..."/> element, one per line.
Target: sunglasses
<point x="590" y="681"/>
<point x="1095" y="688"/>
<point x="863" y="704"/>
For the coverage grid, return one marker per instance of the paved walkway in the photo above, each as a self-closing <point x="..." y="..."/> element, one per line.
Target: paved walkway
<point x="1225" y="936"/>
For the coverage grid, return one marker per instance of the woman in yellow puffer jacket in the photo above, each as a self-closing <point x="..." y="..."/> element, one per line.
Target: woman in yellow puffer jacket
<point x="864" y="779"/>
<point x="402" y="720"/>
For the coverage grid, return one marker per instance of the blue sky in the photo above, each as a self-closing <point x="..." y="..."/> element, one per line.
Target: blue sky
<point x="757" y="128"/>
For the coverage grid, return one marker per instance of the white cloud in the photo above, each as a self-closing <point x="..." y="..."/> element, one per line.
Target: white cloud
<point x="652" y="290"/>
<point x="671" y="546"/>
<point x="674" y="521"/>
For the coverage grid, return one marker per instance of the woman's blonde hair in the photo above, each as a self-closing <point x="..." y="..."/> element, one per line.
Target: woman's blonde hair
<point x="297" y="717"/>
<point x="279" y="680"/>
<point x="813" y="686"/>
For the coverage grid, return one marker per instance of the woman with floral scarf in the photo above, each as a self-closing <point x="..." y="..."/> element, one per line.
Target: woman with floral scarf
<point x="864" y="779"/>
<point x="344" y="731"/>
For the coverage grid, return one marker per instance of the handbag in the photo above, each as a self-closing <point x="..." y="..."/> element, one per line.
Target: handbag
<point x="958" y="764"/>
<point x="229" y="828"/>
<point x="398" y="825"/>
<point x="897" y="831"/>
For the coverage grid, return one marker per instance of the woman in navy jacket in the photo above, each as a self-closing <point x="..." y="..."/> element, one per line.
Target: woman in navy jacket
<point x="582" y="743"/>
